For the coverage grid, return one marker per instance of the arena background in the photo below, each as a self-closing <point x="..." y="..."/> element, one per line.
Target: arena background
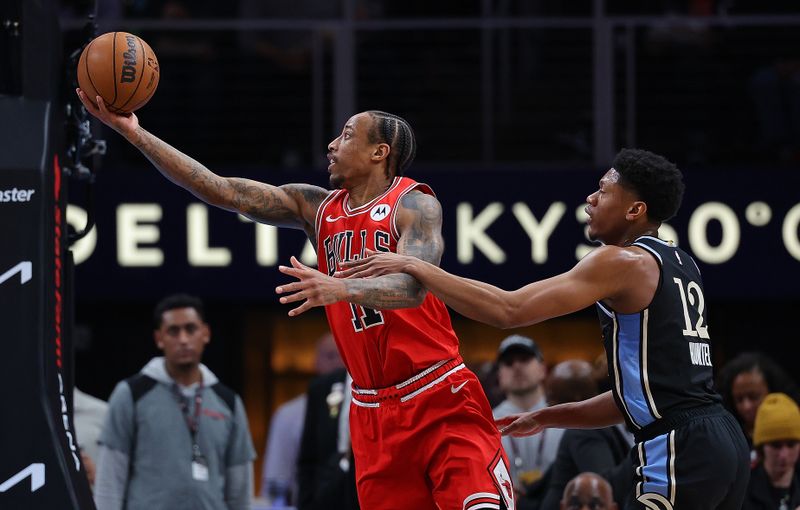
<point x="518" y="106"/>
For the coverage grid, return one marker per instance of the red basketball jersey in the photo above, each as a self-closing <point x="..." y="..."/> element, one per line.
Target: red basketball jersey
<point x="379" y="347"/>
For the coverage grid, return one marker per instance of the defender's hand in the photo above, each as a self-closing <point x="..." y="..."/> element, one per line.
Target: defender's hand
<point x="124" y="124"/>
<point x="375" y="263"/>
<point x="519" y="425"/>
<point x="316" y="288"/>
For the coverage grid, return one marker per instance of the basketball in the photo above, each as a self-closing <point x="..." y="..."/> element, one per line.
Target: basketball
<point x="121" y="68"/>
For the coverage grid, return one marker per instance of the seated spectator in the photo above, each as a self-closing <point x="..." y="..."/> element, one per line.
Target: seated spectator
<point x="570" y="381"/>
<point x="279" y="472"/>
<point x="588" y="490"/>
<point x="487" y="375"/>
<point x="325" y="467"/>
<point x="604" y="451"/>
<point x="745" y="380"/>
<point x="774" y="483"/>
<point x="521" y="373"/>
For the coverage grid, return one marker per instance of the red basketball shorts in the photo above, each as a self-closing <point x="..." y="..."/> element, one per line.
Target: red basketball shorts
<point x="429" y="443"/>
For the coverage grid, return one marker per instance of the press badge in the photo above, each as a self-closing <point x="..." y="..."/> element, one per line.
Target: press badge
<point x="199" y="471"/>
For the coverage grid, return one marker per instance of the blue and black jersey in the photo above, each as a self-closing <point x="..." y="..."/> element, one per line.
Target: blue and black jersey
<point x="689" y="451"/>
<point x="659" y="359"/>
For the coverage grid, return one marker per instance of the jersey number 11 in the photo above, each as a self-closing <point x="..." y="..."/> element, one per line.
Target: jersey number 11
<point x="364" y="318"/>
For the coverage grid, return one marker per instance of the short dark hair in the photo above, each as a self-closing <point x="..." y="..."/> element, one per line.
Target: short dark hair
<point x="657" y="181"/>
<point x="175" y="301"/>
<point x="397" y="133"/>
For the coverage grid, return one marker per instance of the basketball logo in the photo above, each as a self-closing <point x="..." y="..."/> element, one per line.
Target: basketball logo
<point x="502" y="480"/>
<point x="380" y="212"/>
<point x="121" y="68"/>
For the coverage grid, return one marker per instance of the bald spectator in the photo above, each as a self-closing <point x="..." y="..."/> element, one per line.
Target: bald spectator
<point x="570" y="381"/>
<point x="603" y="451"/>
<point x="589" y="491"/>
<point x="279" y="474"/>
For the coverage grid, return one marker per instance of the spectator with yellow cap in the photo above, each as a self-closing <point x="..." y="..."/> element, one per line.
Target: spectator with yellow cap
<point x="774" y="483"/>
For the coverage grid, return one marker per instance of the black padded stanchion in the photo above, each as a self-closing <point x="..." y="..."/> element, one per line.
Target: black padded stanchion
<point x="40" y="464"/>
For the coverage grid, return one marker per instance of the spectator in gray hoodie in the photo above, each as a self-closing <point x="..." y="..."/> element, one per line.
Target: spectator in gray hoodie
<point x="175" y="437"/>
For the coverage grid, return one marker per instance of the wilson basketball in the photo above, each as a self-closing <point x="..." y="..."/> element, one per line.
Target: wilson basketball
<point x="121" y="68"/>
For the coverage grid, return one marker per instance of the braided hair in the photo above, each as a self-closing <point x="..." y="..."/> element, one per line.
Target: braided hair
<point x="397" y="133"/>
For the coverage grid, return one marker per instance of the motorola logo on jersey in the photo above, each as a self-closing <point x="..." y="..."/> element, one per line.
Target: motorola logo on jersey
<point x="16" y="195"/>
<point x="380" y="212"/>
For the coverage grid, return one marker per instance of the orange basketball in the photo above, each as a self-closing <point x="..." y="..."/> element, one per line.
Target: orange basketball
<point x="121" y="68"/>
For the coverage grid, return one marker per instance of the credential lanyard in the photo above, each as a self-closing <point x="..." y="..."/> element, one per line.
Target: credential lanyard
<point x="518" y="460"/>
<point x="192" y="422"/>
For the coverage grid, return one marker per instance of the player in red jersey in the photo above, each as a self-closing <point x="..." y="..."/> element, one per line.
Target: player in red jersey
<point x="422" y="430"/>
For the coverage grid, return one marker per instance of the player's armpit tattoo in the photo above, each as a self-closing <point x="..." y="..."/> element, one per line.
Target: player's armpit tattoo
<point x="263" y="203"/>
<point x="386" y="292"/>
<point x="248" y="198"/>
<point x="291" y="205"/>
<point x="311" y="196"/>
<point x="423" y="237"/>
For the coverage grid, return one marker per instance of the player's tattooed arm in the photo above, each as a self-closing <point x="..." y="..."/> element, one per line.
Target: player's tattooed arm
<point x="420" y="223"/>
<point x="291" y="205"/>
<point x="419" y="219"/>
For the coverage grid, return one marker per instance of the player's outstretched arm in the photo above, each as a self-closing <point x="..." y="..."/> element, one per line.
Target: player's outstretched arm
<point x="419" y="220"/>
<point x="291" y="205"/>
<point x="594" y="413"/>
<point x="601" y="274"/>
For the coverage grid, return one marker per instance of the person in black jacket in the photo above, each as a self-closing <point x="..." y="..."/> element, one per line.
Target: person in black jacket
<point x="325" y="469"/>
<point x="774" y="483"/>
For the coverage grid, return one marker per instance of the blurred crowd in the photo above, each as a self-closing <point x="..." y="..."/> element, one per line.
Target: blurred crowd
<point x="708" y="94"/>
<point x="174" y="424"/>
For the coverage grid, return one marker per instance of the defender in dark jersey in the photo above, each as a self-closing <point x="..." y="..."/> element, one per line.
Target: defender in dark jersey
<point x="689" y="451"/>
<point x="422" y="429"/>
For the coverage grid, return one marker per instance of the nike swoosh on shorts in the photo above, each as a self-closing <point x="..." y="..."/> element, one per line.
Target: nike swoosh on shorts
<point x="456" y="389"/>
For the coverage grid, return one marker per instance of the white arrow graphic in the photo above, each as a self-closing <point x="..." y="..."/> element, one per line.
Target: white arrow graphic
<point x="35" y="471"/>
<point x="25" y="270"/>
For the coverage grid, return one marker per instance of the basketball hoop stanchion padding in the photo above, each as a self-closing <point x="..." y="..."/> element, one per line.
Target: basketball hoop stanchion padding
<point x="40" y="465"/>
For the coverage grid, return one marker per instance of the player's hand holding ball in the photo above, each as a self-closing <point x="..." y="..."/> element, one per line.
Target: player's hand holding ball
<point x="118" y="73"/>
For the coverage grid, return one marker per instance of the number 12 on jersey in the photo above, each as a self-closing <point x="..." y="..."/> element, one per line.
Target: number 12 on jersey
<point x="692" y="289"/>
<point x="364" y="318"/>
